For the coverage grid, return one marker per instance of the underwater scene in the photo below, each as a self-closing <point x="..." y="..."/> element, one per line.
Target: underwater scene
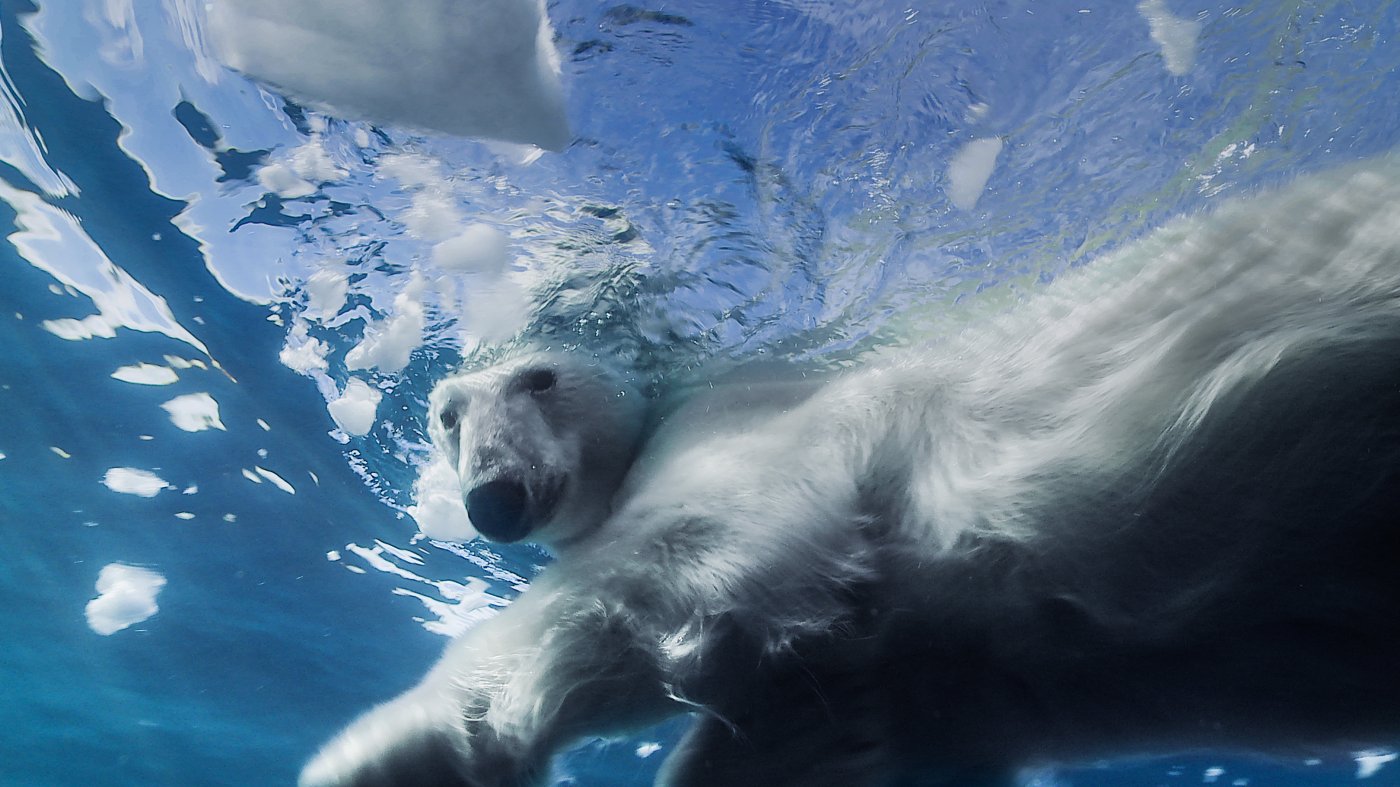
<point x="245" y="240"/>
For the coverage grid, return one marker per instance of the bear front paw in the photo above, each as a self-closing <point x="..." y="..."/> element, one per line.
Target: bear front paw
<point x="412" y="744"/>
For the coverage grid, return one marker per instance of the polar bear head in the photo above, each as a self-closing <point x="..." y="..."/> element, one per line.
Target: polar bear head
<point x="540" y="443"/>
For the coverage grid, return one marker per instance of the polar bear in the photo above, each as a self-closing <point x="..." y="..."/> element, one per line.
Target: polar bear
<point x="1150" y="509"/>
<point x="540" y="443"/>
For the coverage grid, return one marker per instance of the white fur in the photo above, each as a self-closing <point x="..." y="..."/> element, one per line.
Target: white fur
<point x="1143" y="512"/>
<point x="569" y="445"/>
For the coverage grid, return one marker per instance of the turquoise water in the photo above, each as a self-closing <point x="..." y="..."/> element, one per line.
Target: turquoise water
<point x="745" y="179"/>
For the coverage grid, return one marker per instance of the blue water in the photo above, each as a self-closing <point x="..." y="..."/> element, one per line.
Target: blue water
<point x="747" y="178"/>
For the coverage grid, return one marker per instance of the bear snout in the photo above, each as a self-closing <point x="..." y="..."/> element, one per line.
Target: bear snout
<point x="497" y="510"/>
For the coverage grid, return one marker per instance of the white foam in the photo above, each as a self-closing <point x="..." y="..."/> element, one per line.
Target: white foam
<point x="437" y="506"/>
<point x="432" y="216"/>
<point x="126" y="595"/>
<point x="281" y="180"/>
<point x="146" y="374"/>
<point x="479" y="248"/>
<point x="495" y="309"/>
<point x="388" y="344"/>
<point x="300" y="172"/>
<point x="479" y="68"/>
<point x="1176" y="36"/>
<point x="325" y="293"/>
<point x="131" y="481"/>
<point x="458" y="605"/>
<point x="970" y="170"/>
<point x="412" y="170"/>
<point x="312" y="161"/>
<point x="354" y="411"/>
<point x="302" y="353"/>
<point x="194" y="412"/>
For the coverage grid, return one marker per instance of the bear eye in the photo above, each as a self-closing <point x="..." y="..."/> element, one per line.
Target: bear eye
<point x="538" y="380"/>
<point x="448" y="418"/>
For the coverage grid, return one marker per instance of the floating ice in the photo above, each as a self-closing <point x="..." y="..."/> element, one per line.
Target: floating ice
<point x="412" y="170"/>
<point x="194" y="412"/>
<point x="431" y="216"/>
<point x="92" y="327"/>
<point x="496" y="309"/>
<point x="325" y="293"/>
<point x="477" y="249"/>
<point x="146" y="374"/>
<point x="970" y="170"/>
<point x="303" y="353"/>
<point x="131" y="481"/>
<point x="354" y="411"/>
<point x="126" y="595"/>
<point x="1176" y="36"/>
<point x="479" y="68"/>
<point x="281" y="180"/>
<point x="176" y="362"/>
<point x="1368" y="763"/>
<point x="389" y="344"/>
<point x="299" y="173"/>
<point x="277" y="480"/>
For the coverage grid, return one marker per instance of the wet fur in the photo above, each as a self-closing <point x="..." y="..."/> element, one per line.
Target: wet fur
<point x="1150" y="510"/>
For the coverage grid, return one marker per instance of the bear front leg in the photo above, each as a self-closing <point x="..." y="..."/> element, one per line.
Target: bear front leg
<point x="504" y="698"/>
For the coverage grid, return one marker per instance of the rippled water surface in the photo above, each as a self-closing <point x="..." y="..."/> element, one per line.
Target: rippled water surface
<point x="199" y="271"/>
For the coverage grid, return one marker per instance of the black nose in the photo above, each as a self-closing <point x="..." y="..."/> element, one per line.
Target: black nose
<point x="497" y="510"/>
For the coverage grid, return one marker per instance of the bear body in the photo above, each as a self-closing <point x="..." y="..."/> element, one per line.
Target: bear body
<point x="1150" y="510"/>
